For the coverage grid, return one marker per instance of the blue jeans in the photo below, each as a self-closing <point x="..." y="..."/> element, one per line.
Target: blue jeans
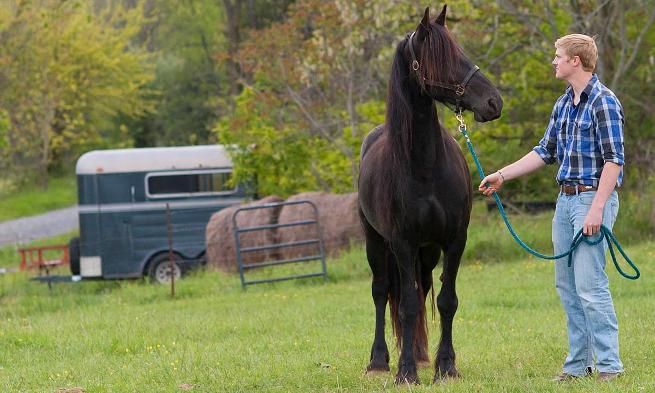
<point x="584" y="288"/>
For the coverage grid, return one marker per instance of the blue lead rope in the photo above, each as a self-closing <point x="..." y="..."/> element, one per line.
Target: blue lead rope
<point x="577" y="239"/>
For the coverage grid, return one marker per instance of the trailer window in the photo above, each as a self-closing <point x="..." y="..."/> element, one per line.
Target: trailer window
<point x="192" y="183"/>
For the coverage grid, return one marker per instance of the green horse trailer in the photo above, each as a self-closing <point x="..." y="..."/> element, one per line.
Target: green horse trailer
<point x="131" y="200"/>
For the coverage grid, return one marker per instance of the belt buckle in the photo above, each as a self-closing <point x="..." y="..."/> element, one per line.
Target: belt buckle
<point x="587" y="188"/>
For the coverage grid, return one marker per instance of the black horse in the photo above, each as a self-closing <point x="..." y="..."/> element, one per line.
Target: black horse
<point x="415" y="194"/>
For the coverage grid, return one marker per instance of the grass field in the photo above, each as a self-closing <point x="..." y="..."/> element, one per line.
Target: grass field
<point x="128" y="336"/>
<point x="28" y="201"/>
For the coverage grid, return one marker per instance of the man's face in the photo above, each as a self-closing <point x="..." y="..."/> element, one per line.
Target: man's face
<point x="563" y="64"/>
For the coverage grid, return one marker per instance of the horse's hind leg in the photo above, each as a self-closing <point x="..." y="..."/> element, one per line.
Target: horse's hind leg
<point x="377" y="252"/>
<point x="447" y="304"/>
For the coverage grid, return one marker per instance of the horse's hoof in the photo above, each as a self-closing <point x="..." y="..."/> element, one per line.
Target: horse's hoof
<point x="378" y="365"/>
<point x="373" y="370"/>
<point x="450" y="375"/>
<point x="407" y="379"/>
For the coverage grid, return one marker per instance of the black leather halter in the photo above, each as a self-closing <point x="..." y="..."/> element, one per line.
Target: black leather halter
<point x="459" y="89"/>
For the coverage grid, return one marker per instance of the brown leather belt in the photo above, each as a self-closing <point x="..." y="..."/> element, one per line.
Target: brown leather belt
<point x="574" y="190"/>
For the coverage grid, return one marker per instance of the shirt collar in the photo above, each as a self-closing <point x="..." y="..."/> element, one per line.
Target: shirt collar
<point x="587" y="90"/>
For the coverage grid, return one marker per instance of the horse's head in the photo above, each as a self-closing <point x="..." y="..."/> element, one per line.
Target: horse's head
<point x="443" y="72"/>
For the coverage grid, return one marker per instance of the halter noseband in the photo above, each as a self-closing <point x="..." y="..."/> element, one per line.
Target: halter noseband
<point x="459" y="89"/>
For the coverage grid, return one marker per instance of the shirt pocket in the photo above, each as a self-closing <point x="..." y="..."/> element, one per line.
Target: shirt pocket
<point x="584" y="130"/>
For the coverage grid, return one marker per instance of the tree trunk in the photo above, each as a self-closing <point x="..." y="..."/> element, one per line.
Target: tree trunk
<point x="232" y="32"/>
<point x="45" y="125"/>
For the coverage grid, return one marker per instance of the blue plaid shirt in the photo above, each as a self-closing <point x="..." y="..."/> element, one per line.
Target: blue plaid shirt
<point x="583" y="137"/>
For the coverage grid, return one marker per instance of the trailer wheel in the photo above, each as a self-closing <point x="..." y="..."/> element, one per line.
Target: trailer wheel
<point x="74" y="255"/>
<point x="159" y="268"/>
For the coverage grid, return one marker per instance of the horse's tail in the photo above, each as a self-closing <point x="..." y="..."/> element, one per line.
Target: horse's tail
<point x="420" y="344"/>
<point x="394" y="295"/>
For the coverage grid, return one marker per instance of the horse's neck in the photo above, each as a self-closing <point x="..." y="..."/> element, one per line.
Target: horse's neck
<point x="426" y="136"/>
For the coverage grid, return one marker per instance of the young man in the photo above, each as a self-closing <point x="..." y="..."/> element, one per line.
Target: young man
<point x="585" y="136"/>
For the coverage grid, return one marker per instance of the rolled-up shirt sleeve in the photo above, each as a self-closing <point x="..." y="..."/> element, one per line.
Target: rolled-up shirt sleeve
<point x="609" y="129"/>
<point x="547" y="147"/>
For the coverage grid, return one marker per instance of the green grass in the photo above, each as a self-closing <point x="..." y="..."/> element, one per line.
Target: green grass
<point x="31" y="200"/>
<point x="127" y="336"/>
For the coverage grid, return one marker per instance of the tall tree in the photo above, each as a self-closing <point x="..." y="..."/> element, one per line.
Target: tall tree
<point x="317" y="73"/>
<point x="66" y="73"/>
<point x="195" y="78"/>
<point x="257" y="15"/>
<point x="183" y="38"/>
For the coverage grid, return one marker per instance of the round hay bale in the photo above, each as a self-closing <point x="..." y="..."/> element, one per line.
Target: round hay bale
<point x="221" y="246"/>
<point x="338" y="219"/>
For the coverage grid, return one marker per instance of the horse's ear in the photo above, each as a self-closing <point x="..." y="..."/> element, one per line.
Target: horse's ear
<point x="424" y="27"/>
<point x="441" y="19"/>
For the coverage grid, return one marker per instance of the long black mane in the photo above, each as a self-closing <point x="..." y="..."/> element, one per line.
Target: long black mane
<point x="439" y="55"/>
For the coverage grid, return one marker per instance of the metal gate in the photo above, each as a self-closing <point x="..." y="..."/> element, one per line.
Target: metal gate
<point x="310" y="222"/>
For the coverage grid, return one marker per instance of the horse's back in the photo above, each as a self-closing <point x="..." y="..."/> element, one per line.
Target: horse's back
<point x="370" y="139"/>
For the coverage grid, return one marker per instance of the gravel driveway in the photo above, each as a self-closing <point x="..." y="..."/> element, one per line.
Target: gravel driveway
<point x="50" y="224"/>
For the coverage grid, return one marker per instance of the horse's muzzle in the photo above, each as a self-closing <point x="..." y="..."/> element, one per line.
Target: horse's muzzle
<point x="491" y="111"/>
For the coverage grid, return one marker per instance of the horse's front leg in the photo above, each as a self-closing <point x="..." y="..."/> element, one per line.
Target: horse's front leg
<point x="447" y="304"/>
<point x="408" y="311"/>
<point x="377" y="252"/>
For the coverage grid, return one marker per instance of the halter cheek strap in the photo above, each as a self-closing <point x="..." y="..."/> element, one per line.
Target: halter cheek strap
<point x="459" y="89"/>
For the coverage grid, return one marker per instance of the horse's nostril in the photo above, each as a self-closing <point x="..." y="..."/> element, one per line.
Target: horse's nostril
<point x="492" y="104"/>
<point x="496" y="104"/>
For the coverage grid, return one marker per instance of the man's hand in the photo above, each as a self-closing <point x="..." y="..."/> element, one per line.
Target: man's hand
<point x="495" y="183"/>
<point x="592" y="221"/>
<point x="594" y="217"/>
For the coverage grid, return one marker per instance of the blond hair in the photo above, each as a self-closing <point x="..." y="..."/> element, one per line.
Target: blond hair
<point x="582" y="46"/>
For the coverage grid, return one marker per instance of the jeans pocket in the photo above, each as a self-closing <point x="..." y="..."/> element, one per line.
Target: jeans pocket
<point x="614" y="211"/>
<point x="586" y="198"/>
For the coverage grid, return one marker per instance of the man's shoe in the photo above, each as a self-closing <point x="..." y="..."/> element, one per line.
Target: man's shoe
<point x="564" y="377"/>
<point x="606" y="377"/>
<point x="568" y="377"/>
